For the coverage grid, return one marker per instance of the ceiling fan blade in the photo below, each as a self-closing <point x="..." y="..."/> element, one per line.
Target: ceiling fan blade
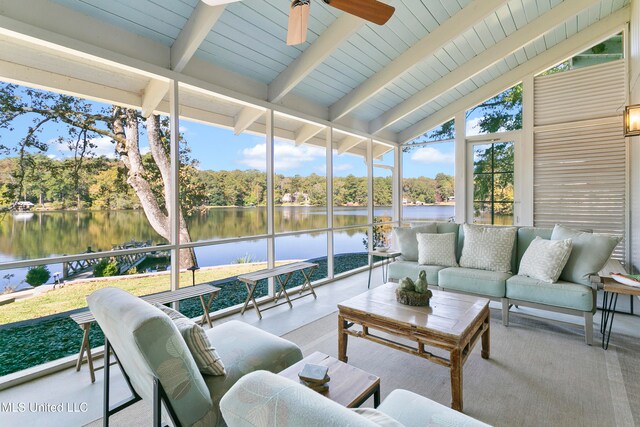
<point x="297" y="27"/>
<point x="371" y="10"/>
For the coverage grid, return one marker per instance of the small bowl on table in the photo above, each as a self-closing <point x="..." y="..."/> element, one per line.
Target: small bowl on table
<point x="382" y="249"/>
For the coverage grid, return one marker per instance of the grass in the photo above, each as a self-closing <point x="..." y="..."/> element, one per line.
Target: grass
<point x="42" y="340"/>
<point x="73" y="295"/>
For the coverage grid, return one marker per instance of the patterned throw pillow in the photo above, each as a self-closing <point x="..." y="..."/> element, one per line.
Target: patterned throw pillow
<point x="203" y="352"/>
<point x="407" y="241"/>
<point x="437" y="249"/>
<point x="488" y="248"/>
<point x="544" y="259"/>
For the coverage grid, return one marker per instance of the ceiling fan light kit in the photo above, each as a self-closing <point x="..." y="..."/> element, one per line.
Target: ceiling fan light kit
<point x="369" y="10"/>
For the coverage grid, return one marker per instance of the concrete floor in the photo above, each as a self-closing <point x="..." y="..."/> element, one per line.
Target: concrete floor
<point x="68" y="398"/>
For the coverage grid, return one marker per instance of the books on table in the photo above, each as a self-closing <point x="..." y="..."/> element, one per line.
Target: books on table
<point x="315" y="377"/>
<point x="627" y="279"/>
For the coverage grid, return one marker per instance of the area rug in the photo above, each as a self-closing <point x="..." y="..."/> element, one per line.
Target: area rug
<point x="539" y="373"/>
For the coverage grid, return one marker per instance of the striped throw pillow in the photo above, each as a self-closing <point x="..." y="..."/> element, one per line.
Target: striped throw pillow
<point x="205" y="355"/>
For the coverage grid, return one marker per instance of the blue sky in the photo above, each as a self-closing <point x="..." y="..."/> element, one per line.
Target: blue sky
<point x="219" y="149"/>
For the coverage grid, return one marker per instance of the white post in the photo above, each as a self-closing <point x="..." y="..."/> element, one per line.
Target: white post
<point x="396" y="182"/>
<point x="174" y="204"/>
<point x="271" y="249"/>
<point x="370" y="204"/>
<point x="461" y="168"/>
<point x="329" y="178"/>
<point x="523" y="173"/>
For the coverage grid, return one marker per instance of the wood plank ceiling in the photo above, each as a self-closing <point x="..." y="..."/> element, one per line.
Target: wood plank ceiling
<point x="430" y="55"/>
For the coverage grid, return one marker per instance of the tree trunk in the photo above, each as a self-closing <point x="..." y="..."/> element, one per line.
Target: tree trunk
<point x="126" y="128"/>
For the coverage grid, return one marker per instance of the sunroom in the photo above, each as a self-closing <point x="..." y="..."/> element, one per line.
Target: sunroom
<point x="166" y="144"/>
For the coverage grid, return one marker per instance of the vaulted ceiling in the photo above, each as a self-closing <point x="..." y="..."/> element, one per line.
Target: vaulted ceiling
<point x="395" y="82"/>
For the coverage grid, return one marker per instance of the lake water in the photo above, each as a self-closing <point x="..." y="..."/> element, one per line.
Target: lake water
<point x="48" y="234"/>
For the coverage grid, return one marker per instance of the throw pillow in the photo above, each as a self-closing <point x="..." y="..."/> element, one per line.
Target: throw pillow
<point x="377" y="417"/>
<point x="407" y="241"/>
<point x="205" y="355"/>
<point x="544" y="259"/>
<point x="488" y="248"/>
<point x="437" y="249"/>
<point x="589" y="254"/>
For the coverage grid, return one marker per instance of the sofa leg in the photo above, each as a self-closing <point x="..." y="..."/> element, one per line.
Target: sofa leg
<point x="588" y="328"/>
<point x="505" y="311"/>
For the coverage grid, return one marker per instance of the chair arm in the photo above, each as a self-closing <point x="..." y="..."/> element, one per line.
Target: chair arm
<point x="262" y="398"/>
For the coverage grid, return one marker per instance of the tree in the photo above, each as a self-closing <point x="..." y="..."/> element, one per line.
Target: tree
<point x="37" y="275"/>
<point x="500" y="113"/>
<point x="83" y="122"/>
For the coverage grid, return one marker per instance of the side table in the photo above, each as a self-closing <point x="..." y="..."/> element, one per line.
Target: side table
<point x="611" y="291"/>
<point x="349" y="386"/>
<point x="387" y="256"/>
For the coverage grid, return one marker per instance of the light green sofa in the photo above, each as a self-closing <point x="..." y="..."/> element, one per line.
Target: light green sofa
<point x="509" y="288"/>
<point x="263" y="399"/>
<point x="160" y="368"/>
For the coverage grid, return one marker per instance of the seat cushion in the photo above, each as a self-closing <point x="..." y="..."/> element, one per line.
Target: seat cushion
<point x="412" y="409"/>
<point x="559" y="294"/>
<point x="410" y="269"/>
<point x="245" y="348"/>
<point x="407" y="242"/>
<point x="149" y="344"/>
<point x="589" y="254"/>
<point x="481" y="282"/>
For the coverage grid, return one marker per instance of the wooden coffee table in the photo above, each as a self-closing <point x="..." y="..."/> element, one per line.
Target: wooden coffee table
<point x="349" y="386"/>
<point x="452" y="322"/>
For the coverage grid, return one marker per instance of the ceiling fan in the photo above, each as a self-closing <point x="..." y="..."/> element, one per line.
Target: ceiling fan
<point x="370" y="10"/>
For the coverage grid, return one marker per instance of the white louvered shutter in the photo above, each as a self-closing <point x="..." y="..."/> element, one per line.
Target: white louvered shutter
<point x="579" y="151"/>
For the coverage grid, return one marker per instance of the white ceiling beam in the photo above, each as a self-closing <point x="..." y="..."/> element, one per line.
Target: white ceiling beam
<point x="380" y="150"/>
<point x="193" y="34"/>
<point x="61" y="29"/>
<point x="341" y="29"/>
<point x="153" y="94"/>
<point x="41" y="79"/>
<point x="560" y="52"/>
<point x="306" y="132"/>
<point x="470" y="15"/>
<point x="486" y="59"/>
<point x="245" y="118"/>
<point x="349" y="142"/>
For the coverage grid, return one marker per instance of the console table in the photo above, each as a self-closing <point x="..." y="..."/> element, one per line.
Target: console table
<point x="282" y="274"/>
<point x="387" y="256"/>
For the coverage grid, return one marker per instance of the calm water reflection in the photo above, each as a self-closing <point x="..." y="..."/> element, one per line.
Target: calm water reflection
<point x="47" y="234"/>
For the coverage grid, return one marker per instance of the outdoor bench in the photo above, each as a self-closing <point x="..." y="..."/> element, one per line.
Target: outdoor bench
<point x="85" y="318"/>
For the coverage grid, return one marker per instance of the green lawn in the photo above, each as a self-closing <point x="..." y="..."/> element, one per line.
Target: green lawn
<point x="73" y="295"/>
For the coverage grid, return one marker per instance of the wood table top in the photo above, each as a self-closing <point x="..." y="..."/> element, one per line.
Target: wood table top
<point x="611" y="285"/>
<point x="266" y="273"/>
<point x="348" y="384"/>
<point x="450" y="314"/>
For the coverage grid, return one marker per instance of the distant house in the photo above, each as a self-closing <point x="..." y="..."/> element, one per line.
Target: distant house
<point x="22" y="206"/>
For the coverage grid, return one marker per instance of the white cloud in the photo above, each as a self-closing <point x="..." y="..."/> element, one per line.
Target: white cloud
<point x="343" y="167"/>
<point x="287" y="156"/>
<point x="431" y="155"/>
<point x="103" y="147"/>
<point x="472" y="126"/>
